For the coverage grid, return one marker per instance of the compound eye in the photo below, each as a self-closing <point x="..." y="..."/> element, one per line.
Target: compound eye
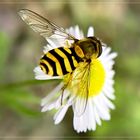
<point x="94" y="49"/>
<point x="97" y="49"/>
<point x="100" y="50"/>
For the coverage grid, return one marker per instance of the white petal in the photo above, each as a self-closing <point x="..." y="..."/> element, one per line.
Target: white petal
<point x="60" y="114"/>
<point x="75" y="124"/>
<point x="97" y="118"/>
<point x="107" y="102"/>
<point x="51" y="105"/>
<point x="51" y="94"/>
<point x="40" y="75"/>
<point x="71" y="31"/>
<point x="91" y="114"/>
<point x="77" y="32"/>
<point x="51" y="43"/>
<point x="47" y="48"/>
<point x="110" y="74"/>
<point x="62" y="100"/>
<point x="106" y="51"/>
<point x="58" y="40"/>
<point x="111" y="56"/>
<point x="81" y="34"/>
<point x="79" y="105"/>
<point x="109" y="92"/>
<point x="78" y="123"/>
<point x="109" y="82"/>
<point x="48" y="107"/>
<point x="103" y="111"/>
<point x="85" y="121"/>
<point x="90" y="32"/>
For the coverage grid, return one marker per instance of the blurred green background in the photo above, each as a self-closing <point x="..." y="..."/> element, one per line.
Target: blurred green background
<point x="117" y="23"/>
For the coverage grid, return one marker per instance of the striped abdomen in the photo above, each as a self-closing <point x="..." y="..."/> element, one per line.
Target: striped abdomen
<point x="59" y="61"/>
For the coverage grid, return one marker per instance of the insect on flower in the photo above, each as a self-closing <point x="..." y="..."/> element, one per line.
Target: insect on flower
<point x="87" y="82"/>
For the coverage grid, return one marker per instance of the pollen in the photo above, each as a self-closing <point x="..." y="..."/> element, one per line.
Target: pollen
<point x="97" y="77"/>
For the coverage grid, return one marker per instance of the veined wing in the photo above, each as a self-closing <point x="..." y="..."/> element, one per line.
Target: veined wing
<point x="80" y="85"/>
<point x="42" y="25"/>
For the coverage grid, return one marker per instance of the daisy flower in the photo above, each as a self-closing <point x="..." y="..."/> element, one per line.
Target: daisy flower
<point x="88" y="111"/>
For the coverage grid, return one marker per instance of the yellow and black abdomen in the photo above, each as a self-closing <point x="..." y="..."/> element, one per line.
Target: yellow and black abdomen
<point x="59" y="61"/>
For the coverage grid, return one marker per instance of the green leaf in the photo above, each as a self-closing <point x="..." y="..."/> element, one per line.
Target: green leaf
<point x="4" y="50"/>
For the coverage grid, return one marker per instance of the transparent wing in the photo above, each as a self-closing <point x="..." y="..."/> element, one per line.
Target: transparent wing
<point x="80" y="87"/>
<point x="42" y="25"/>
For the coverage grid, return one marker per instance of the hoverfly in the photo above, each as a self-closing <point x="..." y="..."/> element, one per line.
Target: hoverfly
<point x="65" y="60"/>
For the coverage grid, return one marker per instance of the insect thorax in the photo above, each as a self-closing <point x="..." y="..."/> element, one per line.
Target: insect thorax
<point x="88" y="48"/>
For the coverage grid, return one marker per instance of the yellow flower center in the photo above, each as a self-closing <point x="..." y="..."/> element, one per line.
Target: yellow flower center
<point x="86" y="79"/>
<point x="97" y="77"/>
